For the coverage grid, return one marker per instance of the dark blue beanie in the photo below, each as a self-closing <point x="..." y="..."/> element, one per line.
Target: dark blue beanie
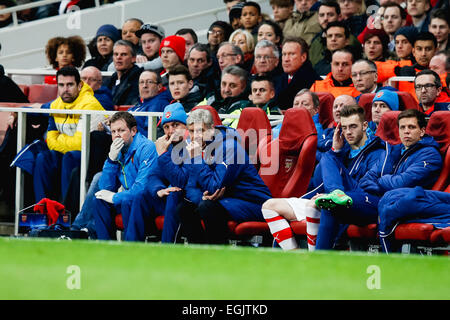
<point x="108" y="30"/>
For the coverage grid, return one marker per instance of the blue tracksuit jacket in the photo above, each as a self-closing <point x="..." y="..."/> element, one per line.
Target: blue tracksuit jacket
<point x="419" y="165"/>
<point x="226" y="164"/>
<point x="131" y="170"/>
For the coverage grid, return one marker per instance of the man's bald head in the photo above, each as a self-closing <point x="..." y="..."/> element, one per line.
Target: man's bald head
<point x="92" y="76"/>
<point x="339" y="103"/>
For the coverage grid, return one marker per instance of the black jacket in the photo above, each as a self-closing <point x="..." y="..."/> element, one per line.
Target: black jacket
<point x="304" y="78"/>
<point x="127" y="92"/>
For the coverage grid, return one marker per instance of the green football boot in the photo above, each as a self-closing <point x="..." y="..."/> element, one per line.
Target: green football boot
<point x="337" y="198"/>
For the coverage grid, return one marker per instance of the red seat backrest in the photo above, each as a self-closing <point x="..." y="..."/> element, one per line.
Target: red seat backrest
<point x="326" y="101"/>
<point x="25" y="89"/>
<point x="388" y="127"/>
<point x="214" y="113"/>
<point x="42" y="93"/>
<point x="365" y="102"/>
<point x="439" y="128"/>
<point x="253" y="126"/>
<point x="407" y="101"/>
<point x="122" y="108"/>
<point x="287" y="163"/>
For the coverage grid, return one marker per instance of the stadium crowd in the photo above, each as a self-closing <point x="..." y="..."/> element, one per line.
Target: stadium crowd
<point x="197" y="173"/>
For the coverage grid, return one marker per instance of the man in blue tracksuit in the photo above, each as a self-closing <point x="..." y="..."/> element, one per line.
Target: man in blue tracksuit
<point x="166" y="182"/>
<point x="223" y="185"/>
<point x="414" y="162"/>
<point x="124" y="174"/>
<point x="351" y="157"/>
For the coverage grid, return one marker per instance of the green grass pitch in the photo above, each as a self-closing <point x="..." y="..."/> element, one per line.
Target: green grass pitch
<point x="40" y="269"/>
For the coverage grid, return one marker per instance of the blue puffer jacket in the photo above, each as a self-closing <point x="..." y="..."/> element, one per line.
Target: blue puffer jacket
<point x="165" y="172"/>
<point x="226" y="164"/>
<point x="131" y="170"/>
<point x="357" y="166"/>
<point x="419" y="165"/>
<point x="153" y="104"/>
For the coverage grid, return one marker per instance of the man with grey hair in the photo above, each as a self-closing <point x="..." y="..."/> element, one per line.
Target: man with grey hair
<point x="267" y="58"/>
<point x="124" y="82"/>
<point x="223" y="185"/>
<point x="233" y="91"/>
<point x="364" y="76"/>
<point x="229" y="54"/>
<point x="310" y="101"/>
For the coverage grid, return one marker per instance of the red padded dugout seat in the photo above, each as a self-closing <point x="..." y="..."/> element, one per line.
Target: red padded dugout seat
<point x="25" y="89"/>
<point x="405" y="99"/>
<point x="413" y="231"/>
<point x="388" y="127"/>
<point x="214" y="113"/>
<point x="42" y="93"/>
<point x="122" y="108"/>
<point x="326" y="101"/>
<point x="440" y="236"/>
<point x="439" y="128"/>
<point x="366" y="232"/>
<point x="287" y="163"/>
<point x="253" y="126"/>
<point x="365" y="102"/>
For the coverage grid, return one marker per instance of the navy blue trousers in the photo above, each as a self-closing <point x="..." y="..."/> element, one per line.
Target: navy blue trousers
<point x="52" y="173"/>
<point x="363" y="211"/>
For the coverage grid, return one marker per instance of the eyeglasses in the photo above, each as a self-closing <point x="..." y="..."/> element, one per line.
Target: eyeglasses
<point x="263" y="57"/>
<point x="225" y="55"/>
<point x="361" y="73"/>
<point x="216" y="32"/>
<point x="426" y="86"/>
<point x="142" y="82"/>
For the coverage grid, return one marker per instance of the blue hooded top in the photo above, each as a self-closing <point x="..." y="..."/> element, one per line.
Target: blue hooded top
<point x="419" y="165"/>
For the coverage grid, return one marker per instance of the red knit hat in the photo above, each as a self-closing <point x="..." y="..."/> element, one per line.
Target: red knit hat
<point x="177" y="43"/>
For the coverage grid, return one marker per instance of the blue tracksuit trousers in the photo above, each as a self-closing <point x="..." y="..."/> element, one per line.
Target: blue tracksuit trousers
<point x="104" y="215"/>
<point x="363" y="211"/>
<point x="51" y="169"/>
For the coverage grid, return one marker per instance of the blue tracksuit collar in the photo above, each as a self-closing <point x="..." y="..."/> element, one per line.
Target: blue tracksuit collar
<point x="354" y="152"/>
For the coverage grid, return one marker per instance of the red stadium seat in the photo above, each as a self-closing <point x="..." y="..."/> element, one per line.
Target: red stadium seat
<point x="407" y="101"/>
<point x="326" y="101"/>
<point x="366" y="232"/>
<point x="414" y="231"/>
<point x="118" y="222"/>
<point x="253" y="126"/>
<point x="122" y="108"/>
<point x="365" y="102"/>
<point x="25" y="89"/>
<point x="215" y="114"/>
<point x="388" y="127"/>
<point x="439" y="128"/>
<point x="287" y="166"/>
<point x="288" y="161"/>
<point x="42" y="93"/>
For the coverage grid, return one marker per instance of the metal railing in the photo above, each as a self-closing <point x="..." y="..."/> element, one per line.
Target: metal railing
<point x="41" y="72"/>
<point x="85" y="143"/>
<point x="15" y="9"/>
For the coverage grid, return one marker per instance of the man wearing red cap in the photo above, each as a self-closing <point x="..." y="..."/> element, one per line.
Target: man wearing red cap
<point x="171" y="51"/>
